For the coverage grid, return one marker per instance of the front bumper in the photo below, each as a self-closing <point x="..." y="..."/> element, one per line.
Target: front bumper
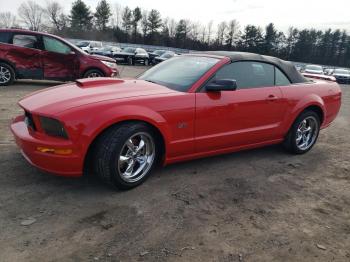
<point x="65" y="165"/>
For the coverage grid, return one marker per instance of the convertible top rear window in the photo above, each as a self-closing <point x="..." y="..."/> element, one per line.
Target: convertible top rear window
<point x="179" y="73"/>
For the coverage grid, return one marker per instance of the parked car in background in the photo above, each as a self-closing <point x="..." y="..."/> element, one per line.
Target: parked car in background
<point x="132" y="55"/>
<point x="26" y="54"/>
<point x="107" y="51"/>
<point x="342" y="75"/>
<point x="313" y="69"/>
<point x="163" y="57"/>
<point x="190" y="106"/>
<point x="89" y="46"/>
<point x="155" y="54"/>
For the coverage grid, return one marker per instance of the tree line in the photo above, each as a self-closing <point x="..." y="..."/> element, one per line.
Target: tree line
<point x="112" y="22"/>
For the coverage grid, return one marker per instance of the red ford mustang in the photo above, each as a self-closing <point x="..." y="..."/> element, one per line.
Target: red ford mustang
<point x="188" y="107"/>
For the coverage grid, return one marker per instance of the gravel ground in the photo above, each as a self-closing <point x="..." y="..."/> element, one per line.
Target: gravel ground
<point x="258" y="205"/>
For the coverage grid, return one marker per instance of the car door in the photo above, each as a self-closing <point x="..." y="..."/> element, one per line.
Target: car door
<point x="59" y="60"/>
<point x="249" y="115"/>
<point x="26" y="55"/>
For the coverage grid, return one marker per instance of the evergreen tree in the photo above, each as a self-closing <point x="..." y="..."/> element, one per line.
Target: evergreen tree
<point x="270" y="39"/>
<point x="154" y="23"/>
<point x="126" y="20"/>
<point x="136" y="17"/>
<point x="103" y="12"/>
<point x="252" y="39"/>
<point x="80" y="16"/>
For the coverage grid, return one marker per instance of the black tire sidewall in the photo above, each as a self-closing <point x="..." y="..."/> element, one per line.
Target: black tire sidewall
<point x="293" y="132"/>
<point x="12" y="72"/>
<point x="117" y="146"/>
<point x="87" y="73"/>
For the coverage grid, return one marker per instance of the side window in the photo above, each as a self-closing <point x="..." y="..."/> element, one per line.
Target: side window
<point x="5" y="37"/>
<point x="29" y="41"/>
<point x="280" y="78"/>
<point x="53" y="45"/>
<point x="248" y="74"/>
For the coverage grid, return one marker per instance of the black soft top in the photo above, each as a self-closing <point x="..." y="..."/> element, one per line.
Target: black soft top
<point x="287" y="67"/>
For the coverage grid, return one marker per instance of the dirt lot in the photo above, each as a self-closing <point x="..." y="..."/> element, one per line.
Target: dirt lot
<point x="259" y="205"/>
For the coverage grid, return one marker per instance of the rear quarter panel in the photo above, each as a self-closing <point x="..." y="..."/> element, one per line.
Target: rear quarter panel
<point x="324" y="94"/>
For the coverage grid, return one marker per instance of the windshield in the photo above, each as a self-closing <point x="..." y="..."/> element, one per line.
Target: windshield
<point x="341" y="71"/>
<point x="314" y="67"/>
<point x="129" y="50"/>
<point x="179" y="73"/>
<point x="159" y="52"/>
<point x="81" y="44"/>
<point x="167" y="55"/>
<point x="106" y="48"/>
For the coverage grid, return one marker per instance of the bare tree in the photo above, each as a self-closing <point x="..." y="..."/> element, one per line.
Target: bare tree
<point x="194" y="30"/>
<point x="203" y="33"/>
<point x="172" y="27"/>
<point x="31" y="14"/>
<point x="233" y="33"/>
<point x="7" y="20"/>
<point x="54" y="12"/>
<point x="221" y="33"/>
<point x="210" y="27"/>
<point x="116" y="19"/>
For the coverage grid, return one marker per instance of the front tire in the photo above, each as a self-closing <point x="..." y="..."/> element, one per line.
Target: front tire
<point x="7" y="74"/>
<point x="304" y="133"/>
<point x="93" y="73"/>
<point x="126" y="154"/>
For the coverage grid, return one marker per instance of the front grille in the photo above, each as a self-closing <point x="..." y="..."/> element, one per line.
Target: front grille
<point x="29" y="120"/>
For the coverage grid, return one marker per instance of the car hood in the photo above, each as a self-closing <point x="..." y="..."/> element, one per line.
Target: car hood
<point x="123" y="53"/>
<point x="101" y="57"/>
<point x="87" y="91"/>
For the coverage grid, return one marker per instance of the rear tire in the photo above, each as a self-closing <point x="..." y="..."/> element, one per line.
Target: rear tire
<point x="303" y="134"/>
<point x="7" y="74"/>
<point x="93" y="73"/>
<point x="126" y="154"/>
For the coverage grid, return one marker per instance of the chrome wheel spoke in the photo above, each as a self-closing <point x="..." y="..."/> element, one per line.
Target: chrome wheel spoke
<point x="306" y="133"/>
<point x="136" y="157"/>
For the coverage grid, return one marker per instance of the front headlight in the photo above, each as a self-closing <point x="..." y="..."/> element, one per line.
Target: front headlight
<point x="53" y="127"/>
<point x="110" y="64"/>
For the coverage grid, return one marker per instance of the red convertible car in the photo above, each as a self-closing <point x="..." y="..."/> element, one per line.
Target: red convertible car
<point x="187" y="107"/>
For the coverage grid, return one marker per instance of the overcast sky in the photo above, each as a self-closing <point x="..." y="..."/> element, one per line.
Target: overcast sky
<point x="298" y="13"/>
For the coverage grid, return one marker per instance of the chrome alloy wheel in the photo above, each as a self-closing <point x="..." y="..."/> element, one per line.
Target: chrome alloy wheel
<point x="5" y="75"/>
<point x="136" y="157"/>
<point x="307" y="133"/>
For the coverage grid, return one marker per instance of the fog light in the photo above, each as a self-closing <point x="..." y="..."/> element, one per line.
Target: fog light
<point x="54" y="151"/>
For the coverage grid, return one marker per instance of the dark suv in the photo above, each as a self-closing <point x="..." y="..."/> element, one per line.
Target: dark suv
<point x="32" y="55"/>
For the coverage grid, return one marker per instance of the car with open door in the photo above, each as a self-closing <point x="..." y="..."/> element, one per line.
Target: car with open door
<point x="190" y="106"/>
<point x="33" y="55"/>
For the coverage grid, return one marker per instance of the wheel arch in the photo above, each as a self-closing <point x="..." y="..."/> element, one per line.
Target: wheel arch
<point x="10" y="64"/>
<point x="93" y="68"/>
<point x="160" y="139"/>
<point x="316" y="105"/>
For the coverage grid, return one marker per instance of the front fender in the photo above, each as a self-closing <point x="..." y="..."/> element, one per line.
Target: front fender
<point x="100" y="119"/>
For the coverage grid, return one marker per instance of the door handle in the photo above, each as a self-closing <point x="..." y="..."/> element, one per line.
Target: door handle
<point x="271" y="98"/>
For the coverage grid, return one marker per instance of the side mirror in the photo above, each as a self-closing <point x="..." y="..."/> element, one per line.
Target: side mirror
<point x="222" y="85"/>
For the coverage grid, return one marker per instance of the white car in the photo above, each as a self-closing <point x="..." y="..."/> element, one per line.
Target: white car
<point x="314" y="69"/>
<point x="89" y="46"/>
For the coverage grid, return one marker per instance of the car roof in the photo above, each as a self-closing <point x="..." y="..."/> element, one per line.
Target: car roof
<point x="287" y="67"/>
<point x="25" y="31"/>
